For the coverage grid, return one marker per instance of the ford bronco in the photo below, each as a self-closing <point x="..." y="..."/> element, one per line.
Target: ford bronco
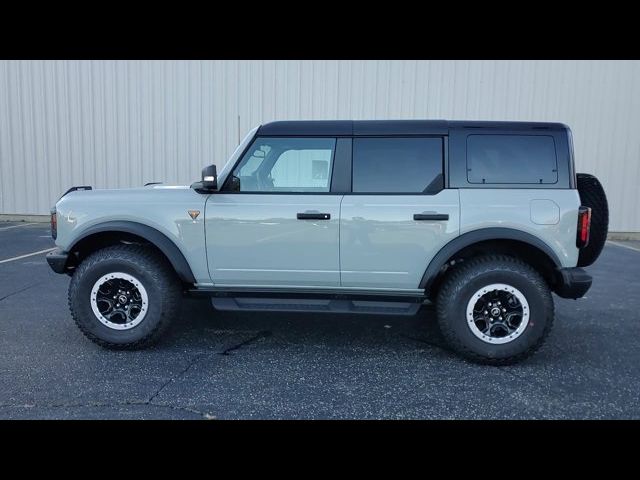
<point x="484" y="219"/>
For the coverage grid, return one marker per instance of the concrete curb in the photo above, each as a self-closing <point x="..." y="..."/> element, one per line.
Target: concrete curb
<point x="623" y="236"/>
<point x="4" y="217"/>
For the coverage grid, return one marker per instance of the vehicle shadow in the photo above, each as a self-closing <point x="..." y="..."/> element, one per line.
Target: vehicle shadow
<point x="201" y="325"/>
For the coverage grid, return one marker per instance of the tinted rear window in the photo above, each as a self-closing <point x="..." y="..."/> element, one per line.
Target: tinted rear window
<point x="511" y="159"/>
<point x="397" y="165"/>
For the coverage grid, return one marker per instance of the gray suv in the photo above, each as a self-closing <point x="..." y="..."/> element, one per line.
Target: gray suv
<point x="484" y="219"/>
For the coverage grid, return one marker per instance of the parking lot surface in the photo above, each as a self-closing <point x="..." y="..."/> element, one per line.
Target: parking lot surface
<point x="214" y="365"/>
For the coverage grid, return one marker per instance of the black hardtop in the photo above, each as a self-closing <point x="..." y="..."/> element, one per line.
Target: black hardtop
<point x="392" y="127"/>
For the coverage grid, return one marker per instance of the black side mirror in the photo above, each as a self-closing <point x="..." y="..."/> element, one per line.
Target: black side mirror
<point x="209" y="182"/>
<point x="210" y="177"/>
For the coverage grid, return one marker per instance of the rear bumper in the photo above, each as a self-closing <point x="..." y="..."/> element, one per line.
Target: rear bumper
<point x="57" y="260"/>
<point x="572" y="282"/>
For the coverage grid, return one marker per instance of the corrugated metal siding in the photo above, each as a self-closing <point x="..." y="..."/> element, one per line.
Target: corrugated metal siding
<point x="123" y="123"/>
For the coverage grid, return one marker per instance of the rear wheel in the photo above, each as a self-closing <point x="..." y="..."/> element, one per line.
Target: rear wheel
<point x="123" y="297"/>
<point x="495" y="310"/>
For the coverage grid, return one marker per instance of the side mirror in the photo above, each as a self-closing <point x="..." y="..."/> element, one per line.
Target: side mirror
<point x="210" y="177"/>
<point x="209" y="182"/>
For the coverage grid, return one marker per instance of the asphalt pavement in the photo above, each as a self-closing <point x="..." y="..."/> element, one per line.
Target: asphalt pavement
<point x="215" y="365"/>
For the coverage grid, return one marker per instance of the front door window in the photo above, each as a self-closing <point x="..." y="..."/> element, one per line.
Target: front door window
<point x="285" y="165"/>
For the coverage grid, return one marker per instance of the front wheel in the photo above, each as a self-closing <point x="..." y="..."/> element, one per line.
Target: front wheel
<point x="495" y="310"/>
<point x="124" y="296"/>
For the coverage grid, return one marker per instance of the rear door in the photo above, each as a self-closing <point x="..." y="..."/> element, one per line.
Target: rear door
<point x="398" y="214"/>
<point x="276" y="220"/>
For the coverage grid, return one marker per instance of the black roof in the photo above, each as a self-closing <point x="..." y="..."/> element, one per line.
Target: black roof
<point x="391" y="127"/>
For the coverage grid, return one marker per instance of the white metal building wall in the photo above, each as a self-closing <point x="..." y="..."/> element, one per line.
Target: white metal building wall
<point x="117" y="124"/>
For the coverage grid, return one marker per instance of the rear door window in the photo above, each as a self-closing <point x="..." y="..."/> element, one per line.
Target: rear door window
<point x="398" y="165"/>
<point x="526" y="159"/>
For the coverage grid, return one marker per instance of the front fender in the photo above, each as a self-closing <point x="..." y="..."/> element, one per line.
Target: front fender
<point x="151" y="235"/>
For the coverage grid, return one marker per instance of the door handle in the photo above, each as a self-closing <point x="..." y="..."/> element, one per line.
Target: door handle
<point x="431" y="216"/>
<point x="314" y="216"/>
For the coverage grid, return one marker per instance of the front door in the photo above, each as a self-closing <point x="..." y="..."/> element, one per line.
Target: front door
<point x="275" y="222"/>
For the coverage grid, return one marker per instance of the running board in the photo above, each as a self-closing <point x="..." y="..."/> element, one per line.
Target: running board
<point x="315" y="305"/>
<point x="330" y="300"/>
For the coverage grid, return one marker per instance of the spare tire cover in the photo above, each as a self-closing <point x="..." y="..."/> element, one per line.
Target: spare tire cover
<point x="592" y="195"/>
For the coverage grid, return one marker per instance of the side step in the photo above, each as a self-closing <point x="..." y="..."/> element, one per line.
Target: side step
<point x="315" y="305"/>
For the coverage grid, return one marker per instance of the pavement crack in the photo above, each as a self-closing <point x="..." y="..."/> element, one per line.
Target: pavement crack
<point x="124" y="403"/>
<point x="74" y="404"/>
<point x="255" y="338"/>
<point x="181" y="408"/>
<point x="196" y="359"/>
<point x="184" y="371"/>
<point x="21" y="290"/>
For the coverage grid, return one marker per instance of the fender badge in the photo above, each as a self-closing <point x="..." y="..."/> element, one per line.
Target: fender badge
<point x="193" y="214"/>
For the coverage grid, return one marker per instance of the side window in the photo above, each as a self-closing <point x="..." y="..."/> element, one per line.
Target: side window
<point x="398" y="165"/>
<point x="274" y="164"/>
<point x="511" y="159"/>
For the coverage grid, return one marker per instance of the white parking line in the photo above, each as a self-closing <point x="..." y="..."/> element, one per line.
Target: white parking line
<point x="624" y="246"/>
<point x="18" y="226"/>
<point x="27" y="255"/>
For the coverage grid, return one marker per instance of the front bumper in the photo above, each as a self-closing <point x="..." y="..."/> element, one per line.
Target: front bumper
<point x="57" y="260"/>
<point x="572" y="282"/>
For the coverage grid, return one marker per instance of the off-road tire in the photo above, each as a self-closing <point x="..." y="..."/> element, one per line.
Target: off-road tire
<point x="592" y="195"/>
<point x="151" y="269"/>
<point x="466" y="279"/>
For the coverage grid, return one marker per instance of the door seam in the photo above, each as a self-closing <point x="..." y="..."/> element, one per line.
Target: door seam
<point x="340" y="241"/>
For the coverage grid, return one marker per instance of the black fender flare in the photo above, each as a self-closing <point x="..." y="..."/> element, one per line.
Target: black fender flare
<point x="481" y="235"/>
<point x="151" y="235"/>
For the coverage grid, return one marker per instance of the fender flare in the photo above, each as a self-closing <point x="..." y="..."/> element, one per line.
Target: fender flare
<point x="151" y="235"/>
<point x="481" y="235"/>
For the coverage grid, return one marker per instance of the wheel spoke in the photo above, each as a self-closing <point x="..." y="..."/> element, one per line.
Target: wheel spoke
<point x="487" y="327"/>
<point x="507" y="321"/>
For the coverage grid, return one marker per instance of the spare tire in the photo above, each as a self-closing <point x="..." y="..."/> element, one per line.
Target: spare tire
<point x="592" y="195"/>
